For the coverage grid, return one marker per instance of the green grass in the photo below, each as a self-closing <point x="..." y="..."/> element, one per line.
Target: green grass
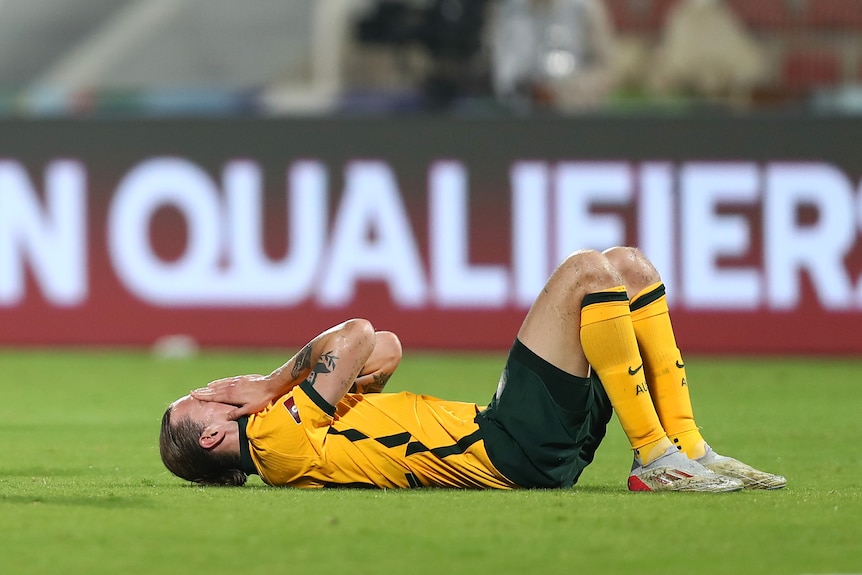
<point x="82" y="490"/>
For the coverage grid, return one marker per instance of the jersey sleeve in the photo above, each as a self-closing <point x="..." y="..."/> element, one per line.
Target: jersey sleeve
<point x="313" y="413"/>
<point x="287" y="438"/>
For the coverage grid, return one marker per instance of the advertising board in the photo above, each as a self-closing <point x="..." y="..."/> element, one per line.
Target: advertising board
<point x="263" y="232"/>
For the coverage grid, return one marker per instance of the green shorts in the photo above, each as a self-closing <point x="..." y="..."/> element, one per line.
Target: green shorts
<point x="543" y="426"/>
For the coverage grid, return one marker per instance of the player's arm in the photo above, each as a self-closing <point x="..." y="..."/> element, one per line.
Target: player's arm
<point x="381" y="364"/>
<point x="331" y="361"/>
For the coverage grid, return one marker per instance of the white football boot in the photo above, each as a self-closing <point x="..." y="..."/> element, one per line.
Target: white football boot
<point x="729" y="467"/>
<point x="673" y="471"/>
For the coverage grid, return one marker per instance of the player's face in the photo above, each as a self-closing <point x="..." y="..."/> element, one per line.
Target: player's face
<point x="205" y="412"/>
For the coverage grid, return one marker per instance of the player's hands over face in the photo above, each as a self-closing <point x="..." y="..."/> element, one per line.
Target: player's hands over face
<point x="249" y="393"/>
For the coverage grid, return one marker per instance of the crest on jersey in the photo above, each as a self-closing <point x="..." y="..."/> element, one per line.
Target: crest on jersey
<point x="290" y="405"/>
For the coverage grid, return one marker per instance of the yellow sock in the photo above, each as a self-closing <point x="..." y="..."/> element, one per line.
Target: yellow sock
<point x="665" y="369"/>
<point x="610" y="346"/>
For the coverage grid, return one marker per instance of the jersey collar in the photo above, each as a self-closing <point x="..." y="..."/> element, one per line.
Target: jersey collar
<point x="246" y="462"/>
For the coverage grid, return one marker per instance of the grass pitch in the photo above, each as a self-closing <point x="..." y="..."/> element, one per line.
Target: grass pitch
<point x="82" y="490"/>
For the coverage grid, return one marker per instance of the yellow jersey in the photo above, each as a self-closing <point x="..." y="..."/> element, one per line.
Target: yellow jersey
<point x="385" y="440"/>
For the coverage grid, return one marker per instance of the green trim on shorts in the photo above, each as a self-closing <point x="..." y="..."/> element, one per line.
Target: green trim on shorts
<point x="543" y="426"/>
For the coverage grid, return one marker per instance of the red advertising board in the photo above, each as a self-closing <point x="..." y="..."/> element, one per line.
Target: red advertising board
<point x="262" y="233"/>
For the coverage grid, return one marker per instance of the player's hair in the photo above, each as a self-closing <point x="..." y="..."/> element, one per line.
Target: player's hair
<point x="184" y="457"/>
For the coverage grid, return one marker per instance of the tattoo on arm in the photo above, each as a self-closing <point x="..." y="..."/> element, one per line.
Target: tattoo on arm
<point x="325" y="364"/>
<point x="380" y="380"/>
<point x="302" y="361"/>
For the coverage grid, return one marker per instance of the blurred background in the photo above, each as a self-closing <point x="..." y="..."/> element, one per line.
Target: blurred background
<point x="272" y="57"/>
<point x="436" y="158"/>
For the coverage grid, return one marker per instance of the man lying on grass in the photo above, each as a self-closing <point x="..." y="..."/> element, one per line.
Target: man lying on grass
<point x="599" y="335"/>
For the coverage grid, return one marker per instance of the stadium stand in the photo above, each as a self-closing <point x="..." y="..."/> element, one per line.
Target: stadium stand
<point x="803" y="71"/>
<point x="834" y="14"/>
<point x="276" y="56"/>
<point x="36" y="33"/>
<point x="764" y="14"/>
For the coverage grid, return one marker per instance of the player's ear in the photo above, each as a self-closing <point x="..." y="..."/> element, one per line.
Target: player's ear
<point x="210" y="437"/>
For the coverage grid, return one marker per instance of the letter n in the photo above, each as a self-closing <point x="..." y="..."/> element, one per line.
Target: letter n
<point x="50" y="238"/>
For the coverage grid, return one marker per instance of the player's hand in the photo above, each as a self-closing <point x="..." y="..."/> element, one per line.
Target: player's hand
<point x="249" y="393"/>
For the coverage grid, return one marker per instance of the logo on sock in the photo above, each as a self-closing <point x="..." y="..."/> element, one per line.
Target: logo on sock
<point x="634" y="371"/>
<point x="680" y="365"/>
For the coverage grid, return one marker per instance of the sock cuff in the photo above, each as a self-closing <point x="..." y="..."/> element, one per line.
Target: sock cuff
<point x="604" y="305"/>
<point x="614" y="294"/>
<point x="650" y="301"/>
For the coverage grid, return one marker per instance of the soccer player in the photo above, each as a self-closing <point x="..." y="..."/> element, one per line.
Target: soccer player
<point x="598" y="336"/>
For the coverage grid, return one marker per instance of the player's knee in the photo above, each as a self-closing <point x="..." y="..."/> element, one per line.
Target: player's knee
<point x="359" y="329"/>
<point x="389" y="343"/>
<point x="589" y="269"/>
<point x="633" y="266"/>
<point x="617" y="252"/>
